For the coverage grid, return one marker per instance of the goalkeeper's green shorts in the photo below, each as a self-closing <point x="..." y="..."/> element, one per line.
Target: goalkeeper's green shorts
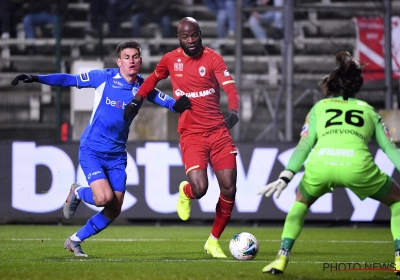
<point x="365" y="180"/>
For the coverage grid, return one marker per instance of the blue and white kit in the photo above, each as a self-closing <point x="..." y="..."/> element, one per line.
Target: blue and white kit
<point x="103" y="142"/>
<point x="107" y="131"/>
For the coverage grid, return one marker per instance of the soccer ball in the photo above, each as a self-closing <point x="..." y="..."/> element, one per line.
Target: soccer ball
<point x="243" y="246"/>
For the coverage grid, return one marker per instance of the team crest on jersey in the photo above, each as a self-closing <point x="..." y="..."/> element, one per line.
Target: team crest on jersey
<point x="202" y="71"/>
<point x="226" y="73"/>
<point x="134" y="91"/>
<point x="85" y="77"/>
<point x="304" y="130"/>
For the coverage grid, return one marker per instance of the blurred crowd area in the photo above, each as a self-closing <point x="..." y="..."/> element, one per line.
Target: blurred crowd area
<point x="114" y="18"/>
<point x="91" y="30"/>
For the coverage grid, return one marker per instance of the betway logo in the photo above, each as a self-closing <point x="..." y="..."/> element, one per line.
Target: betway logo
<point x="118" y="103"/>
<point x="195" y="94"/>
<point x="158" y="158"/>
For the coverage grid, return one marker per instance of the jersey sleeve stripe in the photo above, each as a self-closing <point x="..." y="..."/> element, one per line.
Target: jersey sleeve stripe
<point x="228" y="82"/>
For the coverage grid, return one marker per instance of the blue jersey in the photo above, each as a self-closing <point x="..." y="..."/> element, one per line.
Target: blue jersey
<point x="107" y="131"/>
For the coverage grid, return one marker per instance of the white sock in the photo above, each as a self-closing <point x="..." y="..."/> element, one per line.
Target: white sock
<point x="75" y="238"/>
<point x="213" y="237"/>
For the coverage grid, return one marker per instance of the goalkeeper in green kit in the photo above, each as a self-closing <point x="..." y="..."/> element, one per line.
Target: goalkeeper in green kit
<point x="335" y="140"/>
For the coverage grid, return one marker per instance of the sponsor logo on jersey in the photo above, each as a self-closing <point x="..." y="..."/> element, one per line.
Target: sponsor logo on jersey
<point x="93" y="174"/>
<point x="195" y="94"/>
<point x="336" y="152"/>
<point x="178" y="66"/>
<point x="226" y="73"/>
<point x="179" y="92"/>
<point x="202" y="71"/>
<point x="115" y="82"/>
<point x="178" y="75"/>
<point x="304" y="130"/>
<point x="85" y="77"/>
<point x="118" y="104"/>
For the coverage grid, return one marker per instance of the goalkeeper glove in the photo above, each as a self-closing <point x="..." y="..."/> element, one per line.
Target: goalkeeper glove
<point x="277" y="186"/>
<point x="131" y="109"/>
<point x="231" y="119"/>
<point x="182" y="104"/>
<point x="26" y="78"/>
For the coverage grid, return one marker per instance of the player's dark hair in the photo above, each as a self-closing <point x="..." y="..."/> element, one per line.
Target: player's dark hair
<point x="346" y="79"/>
<point x="128" y="45"/>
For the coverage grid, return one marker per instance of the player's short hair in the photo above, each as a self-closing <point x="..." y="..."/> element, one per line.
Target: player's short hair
<point x="128" y="45"/>
<point x="346" y="79"/>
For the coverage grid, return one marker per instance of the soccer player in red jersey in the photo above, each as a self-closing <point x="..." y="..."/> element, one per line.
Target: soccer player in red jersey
<point x="197" y="72"/>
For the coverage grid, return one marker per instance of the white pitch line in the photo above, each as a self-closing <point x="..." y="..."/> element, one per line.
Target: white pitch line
<point x="157" y="261"/>
<point x="199" y="261"/>
<point x="196" y="240"/>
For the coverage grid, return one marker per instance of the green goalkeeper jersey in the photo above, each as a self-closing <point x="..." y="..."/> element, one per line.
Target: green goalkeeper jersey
<point x="338" y="130"/>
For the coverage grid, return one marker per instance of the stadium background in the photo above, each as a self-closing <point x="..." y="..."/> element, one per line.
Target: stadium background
<point x="40" y="125"/>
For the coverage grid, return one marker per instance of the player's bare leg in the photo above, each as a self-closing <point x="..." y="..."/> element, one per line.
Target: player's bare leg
<point x="196" y="188"/>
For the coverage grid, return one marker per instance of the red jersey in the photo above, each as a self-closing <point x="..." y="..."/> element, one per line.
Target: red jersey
<point x="199" y="78"/>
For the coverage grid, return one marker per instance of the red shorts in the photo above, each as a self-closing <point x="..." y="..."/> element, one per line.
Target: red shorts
<point x="215" y="147"/>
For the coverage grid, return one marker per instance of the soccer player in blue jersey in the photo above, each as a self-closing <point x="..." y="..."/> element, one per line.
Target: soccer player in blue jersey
<point x="102" y="153"/>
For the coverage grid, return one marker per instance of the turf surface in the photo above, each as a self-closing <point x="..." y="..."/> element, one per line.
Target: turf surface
<point x="176" y="252"/>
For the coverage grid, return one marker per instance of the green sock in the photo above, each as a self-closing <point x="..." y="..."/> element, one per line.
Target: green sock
<point x="395" y="224"/>
<point x="293" y="225"/>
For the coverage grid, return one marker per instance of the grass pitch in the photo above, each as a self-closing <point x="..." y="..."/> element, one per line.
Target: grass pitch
<point x="176" y="252"/>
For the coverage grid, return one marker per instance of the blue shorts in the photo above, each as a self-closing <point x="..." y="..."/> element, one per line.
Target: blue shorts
<point x="110" y="166"/>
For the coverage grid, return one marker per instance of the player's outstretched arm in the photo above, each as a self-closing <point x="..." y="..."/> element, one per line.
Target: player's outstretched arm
<point x="164" y="100"/>
<point x="277" y="186"/>
<point x="26" y="78"/>
<point x="57" y="79"/>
